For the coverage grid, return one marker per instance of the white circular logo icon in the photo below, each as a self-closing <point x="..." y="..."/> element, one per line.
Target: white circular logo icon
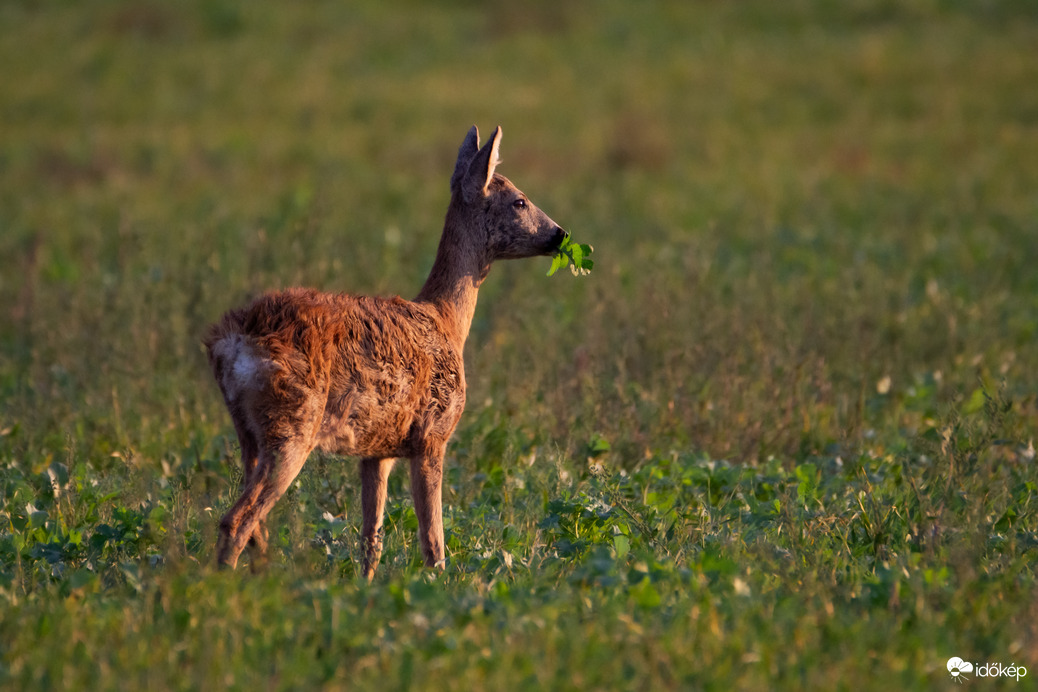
<point x="958" y="668"/>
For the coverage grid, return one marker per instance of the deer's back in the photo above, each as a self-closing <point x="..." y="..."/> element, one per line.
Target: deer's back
<point x="365" y="376"/>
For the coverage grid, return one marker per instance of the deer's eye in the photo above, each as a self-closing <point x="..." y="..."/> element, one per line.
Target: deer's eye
<point x="519" y="204"/>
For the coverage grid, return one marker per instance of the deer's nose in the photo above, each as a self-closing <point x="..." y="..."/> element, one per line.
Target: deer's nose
<point x="559" y="236"/>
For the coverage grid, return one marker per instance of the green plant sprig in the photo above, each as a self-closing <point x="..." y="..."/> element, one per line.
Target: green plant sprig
<point x="576" y="255"/>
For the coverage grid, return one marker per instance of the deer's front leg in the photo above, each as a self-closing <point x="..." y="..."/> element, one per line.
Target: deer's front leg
<point x="374" y="479"/>
<point x="426" y="486"/>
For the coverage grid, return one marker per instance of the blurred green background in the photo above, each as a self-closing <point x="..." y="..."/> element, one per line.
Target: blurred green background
<point x="788" y="202"/>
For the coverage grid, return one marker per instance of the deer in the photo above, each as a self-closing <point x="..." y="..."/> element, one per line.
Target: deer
<point x="378" y="378"/>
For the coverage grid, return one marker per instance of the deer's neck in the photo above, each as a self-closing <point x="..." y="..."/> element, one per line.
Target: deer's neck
<point x="453" y="283"/>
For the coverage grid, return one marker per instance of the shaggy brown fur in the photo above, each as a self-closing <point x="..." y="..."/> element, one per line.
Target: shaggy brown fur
<point x="378" y="378"/>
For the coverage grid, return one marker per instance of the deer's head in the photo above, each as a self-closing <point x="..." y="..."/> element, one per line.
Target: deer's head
<point x="509" y="224"/>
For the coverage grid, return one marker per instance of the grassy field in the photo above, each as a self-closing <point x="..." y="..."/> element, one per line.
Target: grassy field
<point x="781" y="438"/>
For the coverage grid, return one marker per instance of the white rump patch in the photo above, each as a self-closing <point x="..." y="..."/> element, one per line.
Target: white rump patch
<point x="242" y="367"/>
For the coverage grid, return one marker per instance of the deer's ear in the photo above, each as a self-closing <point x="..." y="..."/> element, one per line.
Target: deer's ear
<point x="468" y="150"/>
<point x="481" y="169"/>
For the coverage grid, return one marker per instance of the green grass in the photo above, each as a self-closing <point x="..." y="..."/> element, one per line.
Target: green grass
<point x="780" y="438"/>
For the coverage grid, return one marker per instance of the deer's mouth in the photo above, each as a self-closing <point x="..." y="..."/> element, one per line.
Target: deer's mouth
<point x="556" y="240"/>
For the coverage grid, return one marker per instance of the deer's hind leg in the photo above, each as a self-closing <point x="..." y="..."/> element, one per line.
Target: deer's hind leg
<point x="257" y="544"/>
<point x="277" y="465"/>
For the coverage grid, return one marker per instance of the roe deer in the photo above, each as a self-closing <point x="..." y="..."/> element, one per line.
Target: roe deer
<point x="377" y="378"/>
